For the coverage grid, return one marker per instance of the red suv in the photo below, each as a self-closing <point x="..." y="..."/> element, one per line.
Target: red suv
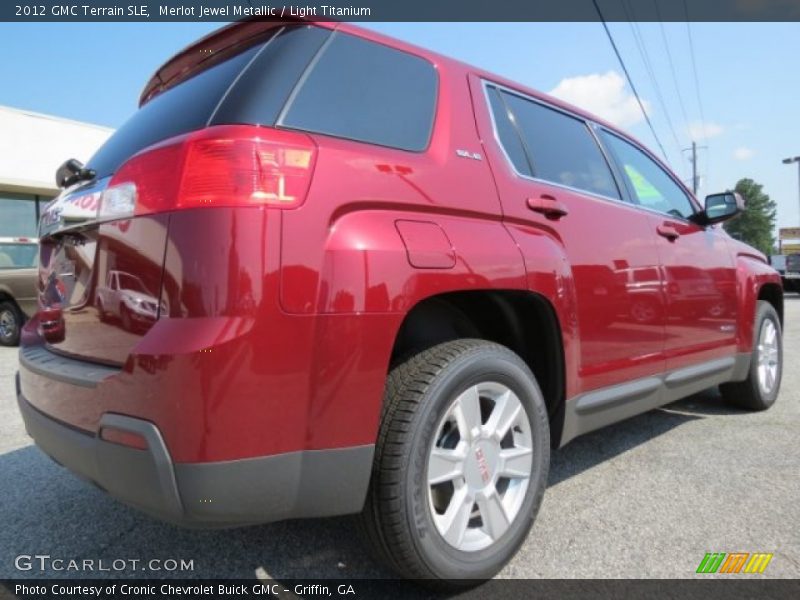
<point x="364" y="278"/>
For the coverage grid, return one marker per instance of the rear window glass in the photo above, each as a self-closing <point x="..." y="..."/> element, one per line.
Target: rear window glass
<point x="186" y="107"/>
<point x="507" y="133"/>
<point x="259" y="94"/>
<point x="561" y="148"/>
<point x="367" y="92"/>
<point x="357" y="90"/>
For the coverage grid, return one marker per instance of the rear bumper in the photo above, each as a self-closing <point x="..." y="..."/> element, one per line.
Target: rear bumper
<point x="313" y="483"/>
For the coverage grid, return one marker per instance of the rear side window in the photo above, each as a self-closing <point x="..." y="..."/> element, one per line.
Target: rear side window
<point x="561" y="148"/>
<point x="650" y="185"/>
<point x="507" y="133"/>
<point x="186" y="107"/>
<point x="367" y="92"/>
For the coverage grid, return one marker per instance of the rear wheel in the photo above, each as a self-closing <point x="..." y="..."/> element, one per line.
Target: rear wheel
<point x="10" y="324"/>
<point x="460" y="465"/>
<point x="760" y="389"/>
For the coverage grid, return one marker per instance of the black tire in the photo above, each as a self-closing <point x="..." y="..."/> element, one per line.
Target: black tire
<point x="101" y="312"/>
<point x="748" y="394"/>
<point x="397" y="519"/>
<point x="125" y="318"/>
<point x="11" y="321"/>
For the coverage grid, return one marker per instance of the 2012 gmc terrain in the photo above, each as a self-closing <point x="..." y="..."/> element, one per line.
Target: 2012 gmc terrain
<point x="321" y="272"/>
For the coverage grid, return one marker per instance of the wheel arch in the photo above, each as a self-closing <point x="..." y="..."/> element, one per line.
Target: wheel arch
<point x="773" y="293"/>
<point x="6" y="296"/>
<point x="756" y="281"/>
<point x="523" y="321"/>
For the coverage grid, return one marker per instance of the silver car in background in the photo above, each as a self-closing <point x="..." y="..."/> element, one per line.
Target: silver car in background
<point x="18" y="272"/>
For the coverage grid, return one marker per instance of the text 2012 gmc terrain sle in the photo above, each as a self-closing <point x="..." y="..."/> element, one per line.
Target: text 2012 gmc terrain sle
<point x="321" y="272"/>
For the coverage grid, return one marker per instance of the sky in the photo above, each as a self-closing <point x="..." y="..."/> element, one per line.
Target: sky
<point x="745" y="116"/>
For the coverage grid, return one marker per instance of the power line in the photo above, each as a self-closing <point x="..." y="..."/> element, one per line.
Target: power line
<point x="627" y="7"/>
<point x="637" y="36"/>
<point x="694" y="69"/>
<point x="697" y="86"/>
<point x="671" y="65"/>
<point x="628" y="77"/>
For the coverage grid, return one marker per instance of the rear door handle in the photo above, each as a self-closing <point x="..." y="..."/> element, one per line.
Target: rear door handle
<point x="549" y="206"/>
<point x="668" y="231"/>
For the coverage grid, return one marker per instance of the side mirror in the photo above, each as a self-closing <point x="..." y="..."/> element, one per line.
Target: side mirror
<point x="720" y="207"/>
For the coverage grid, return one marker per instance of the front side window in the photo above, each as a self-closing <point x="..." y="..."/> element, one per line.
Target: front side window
<point x="561" y="148"/>
<point x="368" y="92"/>
<point x="649" y="183"/>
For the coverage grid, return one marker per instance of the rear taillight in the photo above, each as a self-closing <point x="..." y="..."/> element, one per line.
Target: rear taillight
<point x="228" y="165"/>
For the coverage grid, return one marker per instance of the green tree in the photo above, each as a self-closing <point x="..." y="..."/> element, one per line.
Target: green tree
<point x="756" y="225"/>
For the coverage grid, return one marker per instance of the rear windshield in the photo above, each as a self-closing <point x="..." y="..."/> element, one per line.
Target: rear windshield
<point x="793" y="262"/>
<point x="179" y="110"/>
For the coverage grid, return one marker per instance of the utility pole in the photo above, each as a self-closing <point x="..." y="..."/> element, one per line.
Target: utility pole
<point x="695" y="177"/>
<point x="788" y="161"/>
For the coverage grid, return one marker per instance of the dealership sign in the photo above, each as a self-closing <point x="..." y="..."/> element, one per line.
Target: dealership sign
<point x="69" y="209"/>
<point x="789" y="233"/>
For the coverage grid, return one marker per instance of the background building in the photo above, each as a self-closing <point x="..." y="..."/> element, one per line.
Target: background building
<point x="32" y="146"/>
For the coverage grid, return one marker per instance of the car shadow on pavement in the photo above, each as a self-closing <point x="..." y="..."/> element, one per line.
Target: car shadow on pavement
<point x="707" y="403"/>
<point x="598" y="446"/>
<point x="46" y="510"/>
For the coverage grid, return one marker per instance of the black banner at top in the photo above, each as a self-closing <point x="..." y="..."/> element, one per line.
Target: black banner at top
<point x="400" y="10"/>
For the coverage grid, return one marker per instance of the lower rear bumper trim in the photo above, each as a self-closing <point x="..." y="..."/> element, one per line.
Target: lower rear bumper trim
<point x="310" y="483"/>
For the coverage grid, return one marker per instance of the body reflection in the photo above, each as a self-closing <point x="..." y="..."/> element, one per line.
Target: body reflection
<point x="125" y="297"/>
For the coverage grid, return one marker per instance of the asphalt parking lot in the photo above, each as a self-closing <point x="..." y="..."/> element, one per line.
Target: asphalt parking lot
<point x="644" y="498"/>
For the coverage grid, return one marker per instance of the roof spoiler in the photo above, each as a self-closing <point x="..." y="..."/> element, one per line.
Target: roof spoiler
<point x="209" y="50"/>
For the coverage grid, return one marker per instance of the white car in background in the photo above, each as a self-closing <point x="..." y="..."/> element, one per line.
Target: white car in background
<point x="126" y="297"/>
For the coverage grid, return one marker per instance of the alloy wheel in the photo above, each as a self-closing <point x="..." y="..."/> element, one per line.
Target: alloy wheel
<point x="767" y="355"/>
<point x="8" y="325"/>
<point x="479" y="466"/>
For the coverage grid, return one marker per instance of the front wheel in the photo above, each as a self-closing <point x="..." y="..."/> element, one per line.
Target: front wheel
<point x="760" y="389"/>
<point x="461" y="463"/>
<point x="125" y="318"/>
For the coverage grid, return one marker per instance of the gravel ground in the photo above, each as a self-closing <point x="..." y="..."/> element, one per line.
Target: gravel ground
<point x="644" y="498"/>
